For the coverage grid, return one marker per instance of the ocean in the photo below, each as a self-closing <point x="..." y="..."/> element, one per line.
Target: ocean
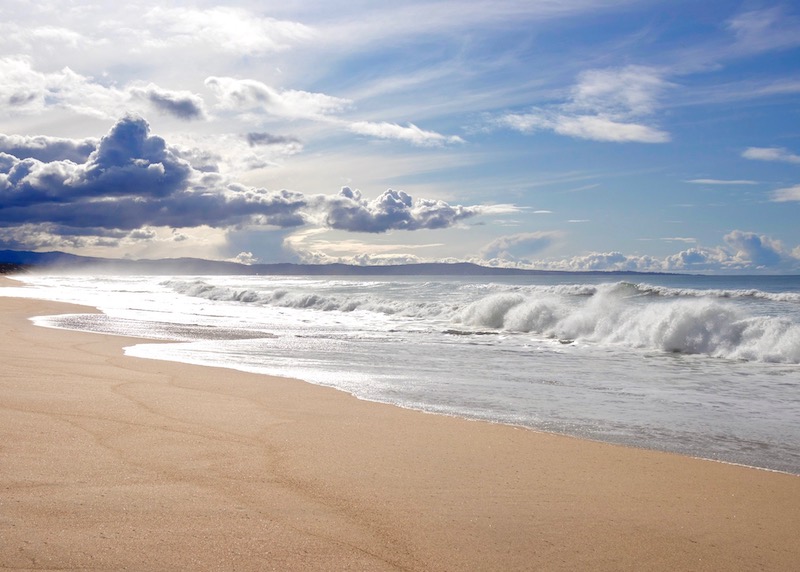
<point x="703" y="366"/>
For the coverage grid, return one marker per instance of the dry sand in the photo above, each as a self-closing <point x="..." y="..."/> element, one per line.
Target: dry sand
<point x="115" y="463"/>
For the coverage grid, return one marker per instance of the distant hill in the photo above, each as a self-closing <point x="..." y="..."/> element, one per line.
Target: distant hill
<point x="62" y="262"/>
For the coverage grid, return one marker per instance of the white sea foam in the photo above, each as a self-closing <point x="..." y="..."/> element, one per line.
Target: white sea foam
<point x="644" y="316"/>
<point x="628" y="362"/>
<point x="614" y="315"/>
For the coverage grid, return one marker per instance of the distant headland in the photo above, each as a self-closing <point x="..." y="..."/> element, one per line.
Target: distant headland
<point x="23" y="261"/>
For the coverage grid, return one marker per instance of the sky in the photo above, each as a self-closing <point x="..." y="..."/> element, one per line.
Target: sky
<point x="641" y="135"/>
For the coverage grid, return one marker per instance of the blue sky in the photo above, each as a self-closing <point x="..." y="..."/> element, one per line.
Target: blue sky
<point x="571" y="134"/>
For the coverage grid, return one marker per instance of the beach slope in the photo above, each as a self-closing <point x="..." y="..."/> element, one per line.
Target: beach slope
<point x="109" y="462"/>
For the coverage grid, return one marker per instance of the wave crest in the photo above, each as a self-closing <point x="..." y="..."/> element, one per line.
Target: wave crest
<point x="614" y="316"/>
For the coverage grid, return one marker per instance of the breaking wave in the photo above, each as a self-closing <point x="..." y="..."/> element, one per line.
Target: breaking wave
<point x="692" y="323"/>
<point x="285" y="298"/>
<point x="717" y="323"/>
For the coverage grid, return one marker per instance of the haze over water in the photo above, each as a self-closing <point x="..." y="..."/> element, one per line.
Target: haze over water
<point x="704" y="366"/>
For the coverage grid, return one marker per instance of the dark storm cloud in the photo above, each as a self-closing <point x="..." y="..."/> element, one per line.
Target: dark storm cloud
<point x="255" y="139"/>
<point x="182" y="209"/>
<point x="132" y="179"/>
<point x="129" y="161"/>
<point x="47" y="149"/>
<point x="126" y="162"/>
<point x="183" y="105"/>
<point x="393" y="210"/>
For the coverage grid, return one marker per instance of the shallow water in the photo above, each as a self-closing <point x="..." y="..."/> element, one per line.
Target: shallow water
<point x="703" y="366"/>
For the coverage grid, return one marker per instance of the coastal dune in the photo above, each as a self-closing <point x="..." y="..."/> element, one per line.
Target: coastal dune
<point x="110" y="462"/>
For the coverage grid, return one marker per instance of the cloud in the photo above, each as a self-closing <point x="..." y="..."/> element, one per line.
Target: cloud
<point x="181" y="104"/>
<point x="771" y="154"/>
<point x="142" y="234"/>
<point x="743" y="252"/>
<point x="754" y="249"/>
<point x="228" y="29"/>
<point x="47" y="149"/>
<point x="517" y="246"/>
<point x="786" y="194"/>
<point x="601" y="261"/>
<point x="26" y="90"/>
<point x="49" y="35"/>
<point x="721" y="182"/>
<point x="410" y="133"/>
<point x="679" y="239"/>
<point x="591" y="127"/>
<point x="245" y="258"/>
<point x="765" y="30"/>
<point x="132" y="179"/>
<point x="393" y="210"/>
<point x="604" y="105"/>
<point x="256" y="139"/>
<point x="249" y="95"/>
<point x="600" y="128"/>
<point x="696" y="259"/>
<point x="132" y="182"/>
<point x="628" y="91"/>
<point x="129" y="161"/>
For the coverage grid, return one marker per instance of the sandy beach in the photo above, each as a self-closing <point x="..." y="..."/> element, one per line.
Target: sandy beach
<point x="109" y="462"/>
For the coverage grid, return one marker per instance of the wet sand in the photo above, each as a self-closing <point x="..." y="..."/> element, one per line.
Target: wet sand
<point x="109" y="462"/>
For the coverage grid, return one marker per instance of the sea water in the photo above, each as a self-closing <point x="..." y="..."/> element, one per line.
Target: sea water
<point x="703" y="366"/>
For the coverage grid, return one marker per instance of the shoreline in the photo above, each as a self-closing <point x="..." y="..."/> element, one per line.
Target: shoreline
<point x="144" y="339"/>
<point x="115" y="462"/>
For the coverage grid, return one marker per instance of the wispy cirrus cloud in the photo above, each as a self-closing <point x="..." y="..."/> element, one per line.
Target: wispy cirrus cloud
<point x="778" y="154"/>
<point x="786" y="194"/>
<point x="228" y="28"/>
<point x="249" y="95"/>
<point x="410" y="133"/>
<point x="764" y="30"/>
<point x="604" y="105"/>
<point x="722" y="182"/>
<point x="519" y="246"/>
<point x="26" y="90"/>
